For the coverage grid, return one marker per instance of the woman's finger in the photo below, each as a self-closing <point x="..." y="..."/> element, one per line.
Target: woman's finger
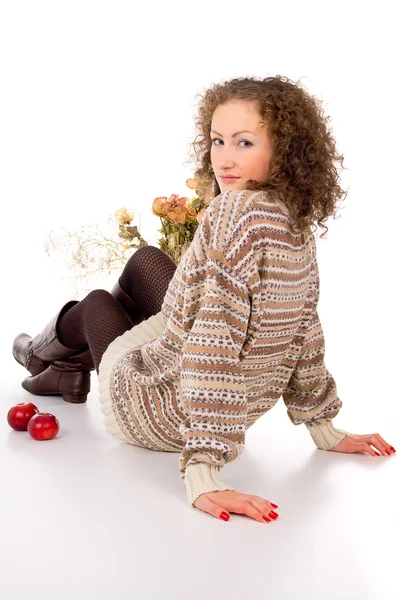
<point x="378" y="444"/>
<point x="204" y="503"/>
<point x="365" y="447"/>
<point x="264" y="507"/>
<point x="260" y="515"/>
<point x="386" y="445"/>
<point x="244" y="507"/>
<point x="217" y="503"/>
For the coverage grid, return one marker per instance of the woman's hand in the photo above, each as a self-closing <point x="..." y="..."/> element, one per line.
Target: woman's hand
<point x="363" y="443"/>
<point x="219" y="503"/>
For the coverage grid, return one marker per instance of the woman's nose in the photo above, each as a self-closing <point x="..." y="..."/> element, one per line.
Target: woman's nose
<point x="226" y="164"/>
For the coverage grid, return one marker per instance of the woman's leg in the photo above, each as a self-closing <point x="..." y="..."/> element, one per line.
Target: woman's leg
<point x="99" y="318"/>
<point x="95" y="322"/>
<point x="89" y="326"/>
<point x="146" y="277"/>
<point x="85" y="331"/>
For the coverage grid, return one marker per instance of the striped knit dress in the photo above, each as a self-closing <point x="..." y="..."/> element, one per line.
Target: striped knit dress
<point x="237" y="330"/>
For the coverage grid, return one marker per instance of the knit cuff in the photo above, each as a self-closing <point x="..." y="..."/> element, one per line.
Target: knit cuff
<point x="202" y="478"/>
<point x="324" y="434"/>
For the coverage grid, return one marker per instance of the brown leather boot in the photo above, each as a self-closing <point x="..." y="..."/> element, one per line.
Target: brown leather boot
<point x="26" y="349"/>
<point x="37" y="353"/>
<point x="69" y="375"/>
<point x="69" y="378"/>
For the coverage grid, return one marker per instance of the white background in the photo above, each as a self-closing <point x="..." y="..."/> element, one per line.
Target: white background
<point x="97" y="103"/>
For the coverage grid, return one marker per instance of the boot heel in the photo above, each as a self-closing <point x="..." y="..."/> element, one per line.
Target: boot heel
<point x="75" y="398"/>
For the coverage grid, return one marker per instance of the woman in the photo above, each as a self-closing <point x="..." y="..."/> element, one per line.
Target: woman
<point x="189" y="358"/>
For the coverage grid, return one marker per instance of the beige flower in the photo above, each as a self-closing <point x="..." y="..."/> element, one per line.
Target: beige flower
<point x="124" y="216"/>
<point x="157" y="205"/>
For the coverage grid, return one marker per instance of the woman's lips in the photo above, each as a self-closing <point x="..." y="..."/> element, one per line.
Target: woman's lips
<point x="227" y="179"/>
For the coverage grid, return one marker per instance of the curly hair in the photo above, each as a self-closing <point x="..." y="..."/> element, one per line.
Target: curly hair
<point x="302" y="171"/>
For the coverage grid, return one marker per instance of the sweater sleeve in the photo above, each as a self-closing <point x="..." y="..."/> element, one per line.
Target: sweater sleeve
<point x="216" y="314"/>
<point x="311" y="394"/>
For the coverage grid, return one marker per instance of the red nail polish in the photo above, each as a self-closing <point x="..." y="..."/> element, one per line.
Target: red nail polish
<point x="391" y="448"/>
<point x="265" y="519"/>
<point x="224" y="516"/>
<point x="377" y="454"/>
<point x="274" y="505"/>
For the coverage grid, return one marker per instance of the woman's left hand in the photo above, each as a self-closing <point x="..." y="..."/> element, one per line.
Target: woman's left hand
<point x="363" y="443"/>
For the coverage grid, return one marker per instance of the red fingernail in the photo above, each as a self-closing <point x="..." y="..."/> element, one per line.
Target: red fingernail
<point x="377" y="454"/>
<point x="265" y="519"/>
<point x="274" y="505"/>
<point x="225" y="516"/>
<point x="391" y="448"/>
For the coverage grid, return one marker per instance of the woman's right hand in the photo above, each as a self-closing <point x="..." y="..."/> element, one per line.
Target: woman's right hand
<point x="224" y="502"/>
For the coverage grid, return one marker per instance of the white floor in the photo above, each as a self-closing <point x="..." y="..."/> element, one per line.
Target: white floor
<point x="85" y="516"/>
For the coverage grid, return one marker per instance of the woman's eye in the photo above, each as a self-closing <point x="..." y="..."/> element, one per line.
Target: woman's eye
<point x="216" y="139"/>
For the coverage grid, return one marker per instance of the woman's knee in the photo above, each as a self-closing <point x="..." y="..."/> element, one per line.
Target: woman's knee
<point x="144" y="263"/>
<point x="101" y="302"/>
<point x="152" y="253"/>
<point x="100" y="295"/>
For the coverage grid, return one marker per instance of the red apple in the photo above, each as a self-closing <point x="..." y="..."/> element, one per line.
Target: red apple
<point x="43" y="426"/>
<point x="19" y="415"/>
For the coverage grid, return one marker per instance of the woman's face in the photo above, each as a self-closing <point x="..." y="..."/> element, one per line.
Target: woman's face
<point x="245" y="155"/>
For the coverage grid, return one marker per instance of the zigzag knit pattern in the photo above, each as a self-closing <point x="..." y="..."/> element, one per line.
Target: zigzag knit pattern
<point x="238" y="329"/>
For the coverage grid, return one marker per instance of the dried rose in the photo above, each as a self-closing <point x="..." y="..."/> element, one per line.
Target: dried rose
<point x="175" y="199"/>
<point x="165" y="208"/>
<point x="177" y="214"/>
<point x="157" y="205"/>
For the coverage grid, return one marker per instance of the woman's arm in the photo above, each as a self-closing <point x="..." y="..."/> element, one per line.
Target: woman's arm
<point x="216" y="313"/>
<point x="311" y="394"/>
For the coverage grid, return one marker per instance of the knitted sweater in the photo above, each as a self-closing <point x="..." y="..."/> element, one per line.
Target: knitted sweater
<point x="239" y="328"/>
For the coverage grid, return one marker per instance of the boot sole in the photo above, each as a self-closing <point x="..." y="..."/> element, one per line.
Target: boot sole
<point x="71" y="398"/>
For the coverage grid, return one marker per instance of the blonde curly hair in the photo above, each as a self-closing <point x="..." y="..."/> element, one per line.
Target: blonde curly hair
<point x="303" y="174"/>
